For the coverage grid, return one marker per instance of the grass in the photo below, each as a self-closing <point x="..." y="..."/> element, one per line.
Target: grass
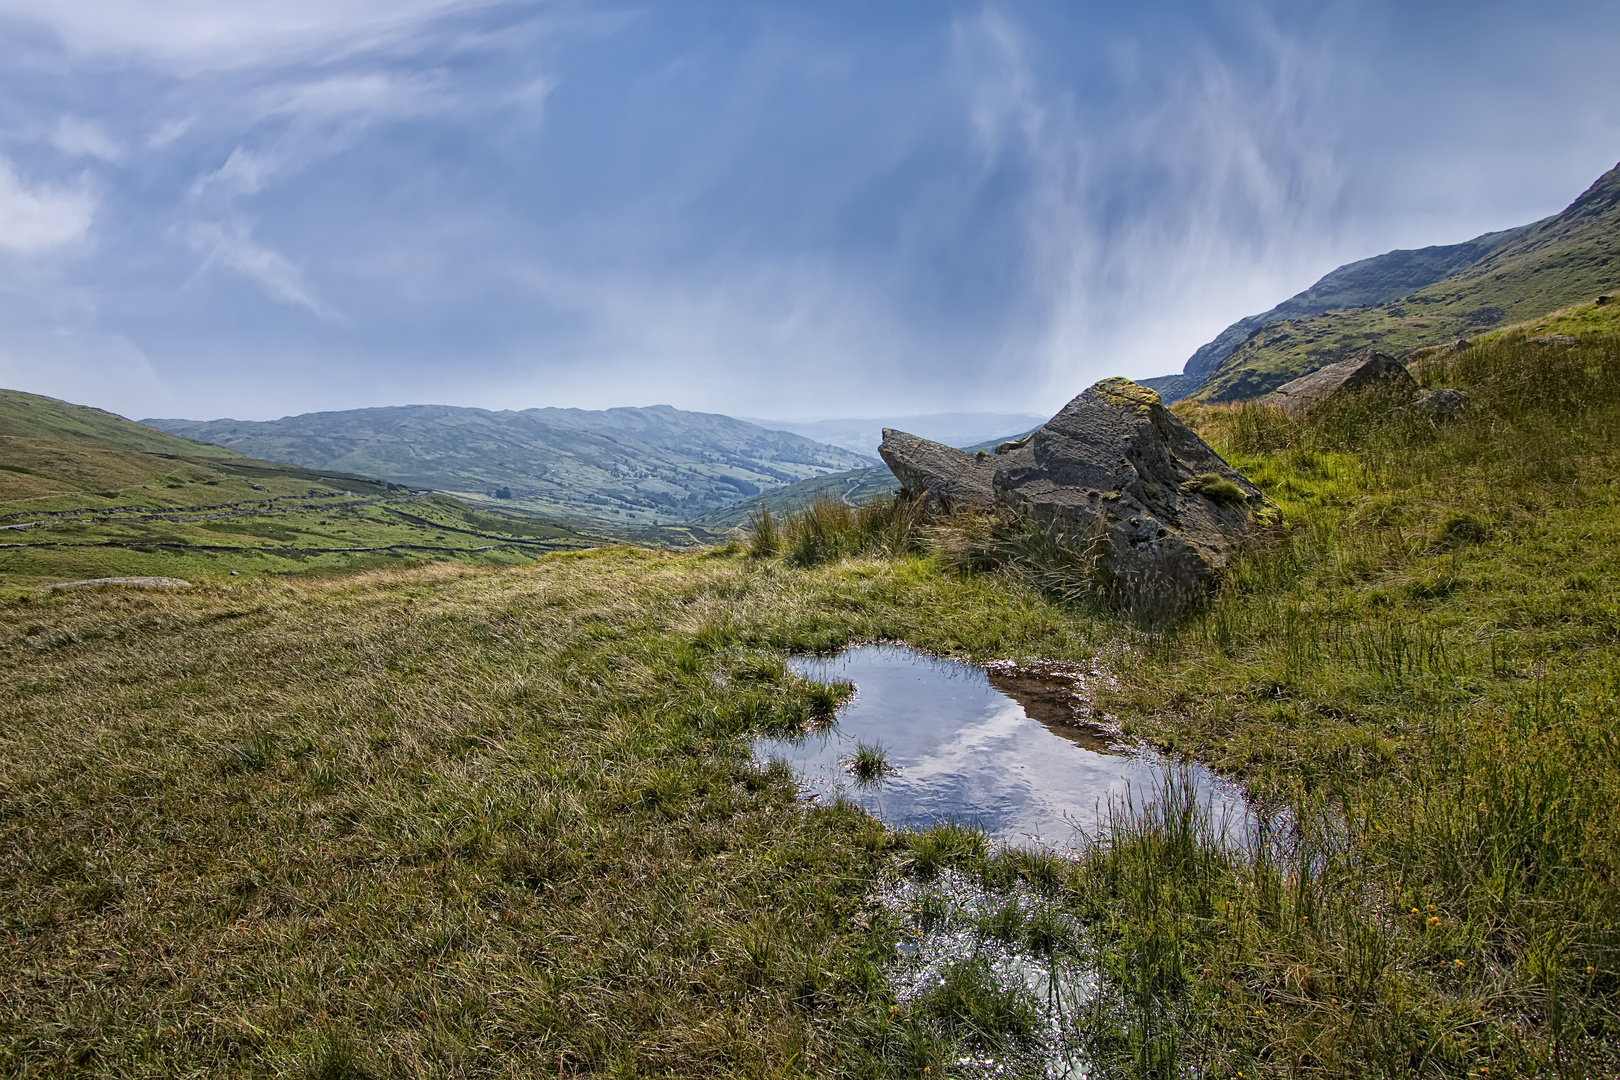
<point x="503" y="821"/>
<point x="869" y="764"/>
<point x="78" y="510"/>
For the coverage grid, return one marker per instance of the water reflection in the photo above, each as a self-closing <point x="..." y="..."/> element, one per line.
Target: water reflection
<point x="1000" y="750"/>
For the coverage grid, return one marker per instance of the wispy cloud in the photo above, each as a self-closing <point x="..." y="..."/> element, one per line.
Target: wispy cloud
<point x="78" y="137"/>
<point x="232" y="246"/>
<point x="199" y="35"/>
<point x="1151" y="216"/>
<point x="40" y="218"/>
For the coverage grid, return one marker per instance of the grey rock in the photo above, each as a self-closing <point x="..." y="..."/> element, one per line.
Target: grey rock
<point x="1119" y="475"/>
<point x="1114" y="475"/>
<point x="1441" y="404"/>
<point x="1553" y="339"/>
<point x="1366" y="368"/>
<point x="946" y="479"/>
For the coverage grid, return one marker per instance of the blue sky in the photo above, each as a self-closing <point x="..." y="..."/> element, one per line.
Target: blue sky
<point x="791" y="210"/>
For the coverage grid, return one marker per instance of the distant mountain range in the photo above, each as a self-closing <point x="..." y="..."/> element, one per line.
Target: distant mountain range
<point x="1405" y="300"/>
<point x="619" y="467"/>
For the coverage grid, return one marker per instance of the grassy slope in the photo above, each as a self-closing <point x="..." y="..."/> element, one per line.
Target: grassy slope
<point x="101" y="496"/>
<point x="34" y="416"/>
<point x="856" y="485"/>
<point x="1570" y="257"/>
<point x="500" y="822"/>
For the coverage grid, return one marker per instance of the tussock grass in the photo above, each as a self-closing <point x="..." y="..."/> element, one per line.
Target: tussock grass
<point x="1419" y="665"/>
<point x="465" y="821"/>
<point x="485" y="822"/>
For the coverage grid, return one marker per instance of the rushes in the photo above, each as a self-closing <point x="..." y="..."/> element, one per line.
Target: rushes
<point x="826" y="530"/>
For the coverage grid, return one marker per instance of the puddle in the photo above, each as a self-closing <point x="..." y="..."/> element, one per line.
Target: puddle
<point x="1005" y="749"/>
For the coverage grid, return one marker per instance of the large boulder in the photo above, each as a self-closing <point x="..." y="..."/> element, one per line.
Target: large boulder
<point x="1366" y="368"/>
<point x="1120" y="476"/>
<point x="1116" y="476"/>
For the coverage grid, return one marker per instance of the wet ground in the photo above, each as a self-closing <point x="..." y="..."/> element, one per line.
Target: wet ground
<point x="1009" y="749"/>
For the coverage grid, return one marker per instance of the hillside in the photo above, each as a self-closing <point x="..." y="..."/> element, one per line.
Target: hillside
<point x="1359" y="284"/>
<point x="84" y="500"/>
<point x="522" y="804"/>
<point x="1562" y="260"/>
<point x="618" y="467"/>
<point x="34" y="416"/>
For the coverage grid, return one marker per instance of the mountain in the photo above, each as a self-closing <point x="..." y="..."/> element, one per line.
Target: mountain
<point x="863" y="435"/>
<point x="1541" y="268"/>
<point x="89" y="494"/>
<point x="619" y="467"/>
<point x="1359" y="284"/>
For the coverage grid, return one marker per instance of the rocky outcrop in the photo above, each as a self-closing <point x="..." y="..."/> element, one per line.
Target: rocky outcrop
<point x="1366" y="368"/>
<point x="944" y="478"/>
<point x="1114" y="475"/>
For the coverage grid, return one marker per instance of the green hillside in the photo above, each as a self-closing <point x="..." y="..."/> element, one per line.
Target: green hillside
<point x="853" y="486"/>
<point x="88" y="494"/>
<point x="1570" y="257"/>
<point x="33" y="416"/>
<point x="617" y="468"/>
<point x="1359" y="284"/>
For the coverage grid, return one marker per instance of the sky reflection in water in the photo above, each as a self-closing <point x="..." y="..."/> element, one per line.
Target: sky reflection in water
<point x="964" y="751"/>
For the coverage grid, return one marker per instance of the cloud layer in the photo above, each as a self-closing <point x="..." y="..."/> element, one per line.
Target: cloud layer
<point x="256" y="209"/>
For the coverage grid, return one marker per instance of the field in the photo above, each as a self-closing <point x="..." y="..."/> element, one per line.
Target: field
<point x="452" y="820"/>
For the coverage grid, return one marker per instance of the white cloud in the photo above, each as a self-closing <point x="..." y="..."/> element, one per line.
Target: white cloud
<point x="38" y="219"/>
<point x="208" y="34"/>
<point x="233" y="247"/>
<point x="369" y="93"/>
<point x="78" y="137"/>
<point x="168" y="131"/>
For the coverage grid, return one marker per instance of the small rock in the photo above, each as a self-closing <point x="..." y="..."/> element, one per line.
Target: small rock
<point x="145" y="582"/>
<point x="1441" y="404"/>
<point x="1366" y="368"/>
<point x="1553" y="339"/>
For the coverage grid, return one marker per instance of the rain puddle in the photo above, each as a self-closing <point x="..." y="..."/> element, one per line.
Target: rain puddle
<point x="1004" y="748"/>
<point x="1013" y="751"/>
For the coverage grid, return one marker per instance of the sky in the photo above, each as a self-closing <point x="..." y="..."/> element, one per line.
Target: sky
<point x="254" y="209"/>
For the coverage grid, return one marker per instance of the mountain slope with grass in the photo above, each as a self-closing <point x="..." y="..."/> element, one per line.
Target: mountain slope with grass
<point x="617" y="467"/>
<point x="34" y="416"/>
<point x="1359" y="284"/>
<point x="1570" y="257"/>
<point x="505" y="821"/>
<point x="88" y="494"/>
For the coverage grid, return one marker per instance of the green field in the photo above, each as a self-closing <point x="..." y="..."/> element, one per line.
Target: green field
<point x="452" y="820"/>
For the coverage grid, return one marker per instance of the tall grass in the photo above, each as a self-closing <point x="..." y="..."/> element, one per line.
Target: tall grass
<point x="1418" y="664"/>
<point x="828" y="529"/>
